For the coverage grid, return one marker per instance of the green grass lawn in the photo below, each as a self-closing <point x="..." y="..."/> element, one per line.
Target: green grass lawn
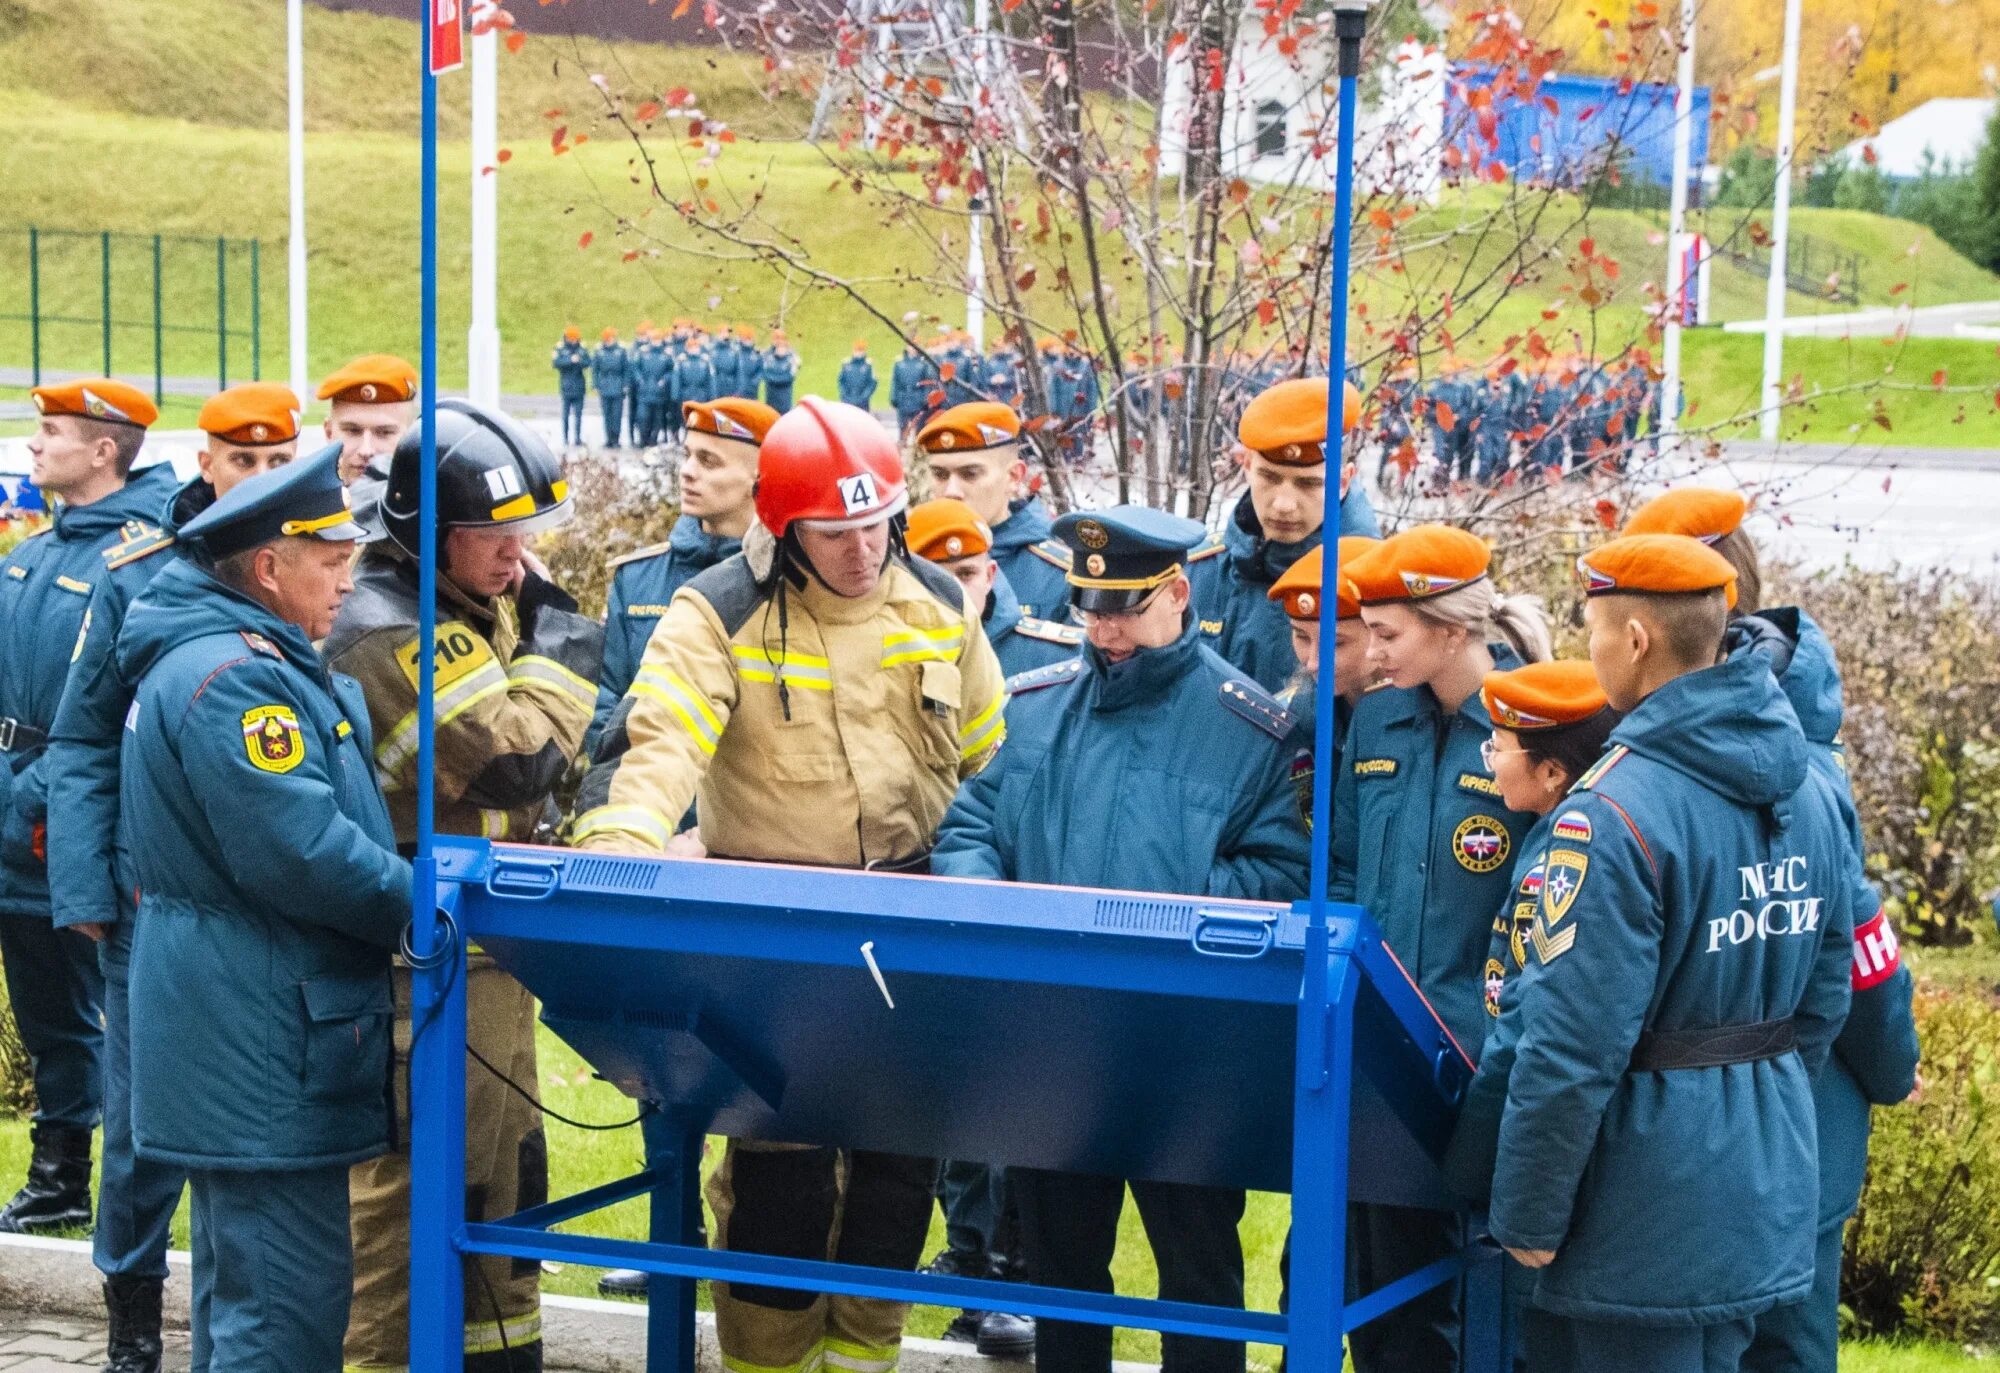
<point x="581" y="1159"/>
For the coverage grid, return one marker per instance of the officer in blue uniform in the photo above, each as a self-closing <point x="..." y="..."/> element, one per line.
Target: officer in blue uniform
<point x="1692" y="949"/>
<point x="857" y="378"/>
<point x="909" y="382"/>
<point x="1299" y="591"/>
<point x="950" y="534"/>
<point x="1874" y="1061"/>
<point x="652" y="380"/>
<point x="1277" y="522"/>
<point x="1002" y="381"/>
<point x="694" y="375"/>
<point x="1424" y="842"/>
<point x="87" y="433"/>
<point x="248" y="429"/>
<point x="974" y="453"/>
<point x="780" y="369"/>
<point x="570" y="360"/>
<point x="252" y="825"/>
<point x="1146" y="764"/>
<point x="611" y="370"/>
<point x="718" y="486"/>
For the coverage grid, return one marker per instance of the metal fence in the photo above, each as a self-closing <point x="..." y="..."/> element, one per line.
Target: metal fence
<point x="1812" y="267"/>
<point x="181" y="306"/>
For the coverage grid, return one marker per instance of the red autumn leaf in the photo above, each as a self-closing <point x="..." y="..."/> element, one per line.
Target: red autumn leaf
<point x="726" y="136"/>
<point x="556" y="138"/>
<point x="681" y="9"/>
<point x="678" y="96"/>
<point x="1447" y="417"/>
<point x="947" y="370"/>
<point x="1405" y="456"/>
<point x="1495" y="173"/>
<point x="552" y="114"/>
<point x="1382" y="220"/>
<point x="1937" y="378"/>
<point x="579" y="140"/>
<point x="516" y="41"/>
<point x="1588" y="247"/>
<point x="1009" y="6"/>
<point x="934" y="398"/>
<point x="1868" y="154"/>
<point x="1267" y="312"/>
<point x="584" y="242"/>
<point x="648" y="111"/>
<point x="504" y="155"/>
<point x="631" y="256"/>
<point x="1607" y="514"/>
<point x="1899" y="288"/>
<point x="1239" y="190"/>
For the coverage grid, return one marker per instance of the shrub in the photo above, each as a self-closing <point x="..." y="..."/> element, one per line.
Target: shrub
<point x="1923" y="1251"/>
<point x="615" y="514"/>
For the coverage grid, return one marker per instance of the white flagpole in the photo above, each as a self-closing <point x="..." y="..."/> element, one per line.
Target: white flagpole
<point x="1781" y="224"/>
<point x="295" y="260"/>
<point x="482" y="350"/>
<point x="1677" y="285"/>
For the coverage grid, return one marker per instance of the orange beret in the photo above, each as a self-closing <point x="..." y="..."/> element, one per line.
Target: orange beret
<point x="374" y="379"/>
<point x="861" y="345"/>
<point x="1542" y="695"/>
<point x="970" y="427"/>
<point x="1049" y="343"/>
<point x="97" y="398"/>
<point x="1287" y="423"/>
<point x="1299" y="586"/>
<point x="1655" y="565"/>
<point x="572" y="333"/>
<point x="1423" y="561"/>
<point x="253" y="414"/>
<point x="942" y="530"/>
<point x="729" y="417"/>
<point x="1700" y="512"/>
<point x="608" y="335"/>
<point x="744" y="331"/>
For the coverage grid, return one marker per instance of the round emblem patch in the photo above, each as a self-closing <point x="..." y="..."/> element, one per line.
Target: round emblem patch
<point x="947" y="439"/>
<point x="1091" y="534"/>
<point x="1481" y="844"/>
<point x="368" y="391"/>
<point x="1094" y="564"/>
<point x="1307" y="603"/>
<point x="257" y="431"/>
<point x="954" y="546"/>
<point x="1496" y="982"/>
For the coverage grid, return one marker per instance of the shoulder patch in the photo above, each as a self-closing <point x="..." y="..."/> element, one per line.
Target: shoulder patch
<point x="1596" y="772"/>
<point x="1055" y="674"/>
<point x="72" y="584"/>
<point x="257" y="643"/>
<point x="638" y="555"/>
<point x="124" y="555"/>
<point x="1257" y="706"/>
<point x="17" y="572"/>
<point x="1049" y="631"/>
<point x="1054" y="552"/>
<point x="272" y="739"/>
<point x="1210" y="548"/>
<point x="1573" y="825"/>
<point x="1375" y="767"/>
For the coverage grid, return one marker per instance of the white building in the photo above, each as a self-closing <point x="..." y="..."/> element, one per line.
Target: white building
<point x="1950" y="130"/>
<point x="1281" y="114"/>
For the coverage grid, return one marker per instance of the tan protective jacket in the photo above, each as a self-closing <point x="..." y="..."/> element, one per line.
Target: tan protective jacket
<point x="834" y="734"/>
<point x="515" y="684"/>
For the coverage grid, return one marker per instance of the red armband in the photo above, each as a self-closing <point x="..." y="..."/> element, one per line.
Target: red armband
<point x="1877" y="955"/>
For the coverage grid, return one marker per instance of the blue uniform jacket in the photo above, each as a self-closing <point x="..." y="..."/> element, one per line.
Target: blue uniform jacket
<point x="653" y="375"/>
<point x="857" y="382"/>
<point x="570" y="360"/>
<point x="694" y="379"/>
<point x="1022" y="642"/>
<point x="1232" y="589"/>
<point x="780" y="367"/>
<point x="270" y="890"/>
<point x="1300" y="702"/>
<point x="642" y="584"/>
<point x="1035" y="564"/>
<point x="611" y="370"/>
<point x="1874" y="1060"/>
<point x="1422" y="839"/>
<point x="909" y="383"/>
<point x="1697" y="878"/>
<point x="1162" y="773"/>
<point x="47" y="587"/>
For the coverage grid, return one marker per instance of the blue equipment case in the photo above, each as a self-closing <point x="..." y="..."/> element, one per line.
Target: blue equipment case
<point x="1121" y="1033"/>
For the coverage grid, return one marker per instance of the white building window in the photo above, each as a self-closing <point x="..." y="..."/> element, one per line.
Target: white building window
<point x="1270" y="129"/>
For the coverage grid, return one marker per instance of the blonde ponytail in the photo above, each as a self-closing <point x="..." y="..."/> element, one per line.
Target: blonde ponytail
<point x="1482" y="612"/>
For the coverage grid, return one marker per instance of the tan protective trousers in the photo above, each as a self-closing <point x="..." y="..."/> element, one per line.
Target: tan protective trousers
<point x="506" y="1170"/>
<point x="799" y="1201"/>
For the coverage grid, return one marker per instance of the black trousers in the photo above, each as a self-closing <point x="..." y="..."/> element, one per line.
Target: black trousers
<point x="1069" y="1224"/>
<point x="1385" y="1243"/>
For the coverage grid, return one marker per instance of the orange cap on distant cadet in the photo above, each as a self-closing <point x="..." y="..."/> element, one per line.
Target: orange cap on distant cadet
<point x="1699" y="512"/>
<point x="97" y="398"/>
<point x="254" y="414"/>
<point x="372" y="379"/>
<point x="1300" y="586"/>
<point x="729" y="417"/>
<point x="1542" y="695"/>
<point x="572" y="333"/>
<point x="1287" y="422"/>
<point x="1423" y="561"/>
<point x="609" y="336"/>
<point x="1655" y="565"/>
<point x="944" y="530"/>
<point x="970" y="427"/>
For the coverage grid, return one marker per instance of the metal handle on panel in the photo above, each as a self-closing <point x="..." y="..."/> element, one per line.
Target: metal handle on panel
<point x="523" y="879"/>
<point x="1234" y="934"/>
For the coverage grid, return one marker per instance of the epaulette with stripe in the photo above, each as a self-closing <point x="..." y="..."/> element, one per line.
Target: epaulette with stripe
<point x="1049" y="631"/>
<point x="141" y="540"/>
<point x="639" y="554"/>
<point x="1209" y="548"/>
<point x="1054" y="552"/>
<point x="1596" y="771"/>
<point x="1055" y="674"/>
<point x="1257" y="706"/>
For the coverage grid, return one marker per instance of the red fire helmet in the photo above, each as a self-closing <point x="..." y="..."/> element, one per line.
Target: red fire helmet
<point x="831" y="465"/>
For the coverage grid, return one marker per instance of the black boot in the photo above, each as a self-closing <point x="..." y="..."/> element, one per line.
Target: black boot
<point x="57" y="1193"/>
<point x="622" y="1282"/>
<point x="134" y="1304"/>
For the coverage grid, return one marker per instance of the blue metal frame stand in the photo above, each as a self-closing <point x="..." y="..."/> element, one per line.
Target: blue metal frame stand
<point x="1129" y="1034"/>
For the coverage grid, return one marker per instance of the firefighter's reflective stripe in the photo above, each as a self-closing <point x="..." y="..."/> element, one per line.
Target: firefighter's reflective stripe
<point x="450" y="701"/>
<point x="535" y="668"/>
<point x="492" y="824"/>
<point x="490" y="1337"/>
<point x="984" y="730"/>
<point x="754" y="664"/>
<point x="644" y="823"/>
<point x="859" y="1358"/>
<point x="679" y="695"/>
<point x="811" y="1363"/>
<point x="923" y="645"/>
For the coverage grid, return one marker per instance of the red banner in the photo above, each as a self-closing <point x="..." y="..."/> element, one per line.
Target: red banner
<point x="447" y="35"/>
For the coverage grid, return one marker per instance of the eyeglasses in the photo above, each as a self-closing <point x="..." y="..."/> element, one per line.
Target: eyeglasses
<point x="1487" y="753"/>
<point x="1091" y="617"/>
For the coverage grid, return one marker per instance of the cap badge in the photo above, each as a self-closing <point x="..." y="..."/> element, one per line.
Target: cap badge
<point x="1091" y="534"/>
<point x="1307" y="605"/>
<point x="258" y="432"/>
<point x="947" y="439"/>
<point x="368" y="391"/>
<point x="954" y="546"/>
<point x="1095" y="564"/>
<point x="1290" y="453"/>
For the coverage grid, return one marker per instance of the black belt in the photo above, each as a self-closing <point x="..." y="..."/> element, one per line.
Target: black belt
<point x="1661" y="1051"/>
<point x="16" y="737"/>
